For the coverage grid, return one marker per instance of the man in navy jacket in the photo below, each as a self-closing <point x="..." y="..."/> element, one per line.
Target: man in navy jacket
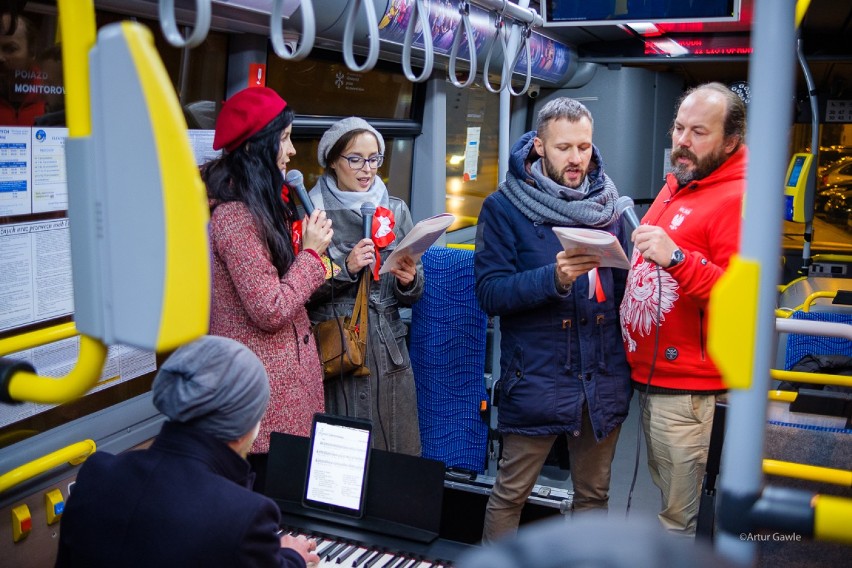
<point x="562" y="365"/>
<point x="185" y="501"/>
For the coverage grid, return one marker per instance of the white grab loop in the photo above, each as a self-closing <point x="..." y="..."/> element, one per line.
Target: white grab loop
<point x="168" y="23"/>
<point x="349" y="36"/>
<point x="464" y="25"/>
<point x="421" y="15"/>
<point x="499" y="38"/>
<point x="309" y="29"/>
<point x="525" y="46"/>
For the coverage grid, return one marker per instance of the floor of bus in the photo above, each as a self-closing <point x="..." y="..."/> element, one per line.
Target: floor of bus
<point x="646" y="497"/>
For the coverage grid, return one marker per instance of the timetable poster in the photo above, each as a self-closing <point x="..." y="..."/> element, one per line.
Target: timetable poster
<point x="15" y="172"/>
<point x="32" y="171"/>
<point x="35" y="272"/>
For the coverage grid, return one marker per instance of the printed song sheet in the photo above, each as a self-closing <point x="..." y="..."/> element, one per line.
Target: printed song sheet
<point x="422" y="236"/>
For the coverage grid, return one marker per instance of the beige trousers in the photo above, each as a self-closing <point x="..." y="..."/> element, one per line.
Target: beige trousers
<point x="677" y="433"/>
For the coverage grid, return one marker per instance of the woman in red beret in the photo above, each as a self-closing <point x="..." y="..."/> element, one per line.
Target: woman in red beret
<point x="266" y="262"/>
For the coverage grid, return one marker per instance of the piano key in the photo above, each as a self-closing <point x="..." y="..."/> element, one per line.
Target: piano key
<point x="346" y="554"/>
<point x="343" y="546"/>
<point x="382" y="557"/>
<point x="363" y="557"/>
<point x="323" y="549"/>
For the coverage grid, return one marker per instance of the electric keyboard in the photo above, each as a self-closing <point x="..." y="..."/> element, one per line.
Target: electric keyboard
<point x="346" y="547"/>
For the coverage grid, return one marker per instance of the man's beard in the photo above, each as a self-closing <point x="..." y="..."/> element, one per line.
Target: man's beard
<point x="703" y="167"/>
<point x="559" y="175"/>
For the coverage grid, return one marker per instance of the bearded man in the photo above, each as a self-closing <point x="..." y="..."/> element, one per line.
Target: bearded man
<point x="681" y="249"/>
<point x="563" y="370"/>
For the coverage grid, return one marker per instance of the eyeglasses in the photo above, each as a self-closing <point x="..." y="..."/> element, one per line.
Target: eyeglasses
<point x="357" y="162"/>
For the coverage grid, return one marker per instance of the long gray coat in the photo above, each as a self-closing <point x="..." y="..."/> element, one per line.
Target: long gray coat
<point x="388" y="396"/>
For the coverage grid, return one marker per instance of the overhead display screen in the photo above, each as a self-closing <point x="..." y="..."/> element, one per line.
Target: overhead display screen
<point x="608" y="12"/>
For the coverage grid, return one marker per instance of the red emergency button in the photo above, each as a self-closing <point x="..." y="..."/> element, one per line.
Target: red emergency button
<point x="22" y="522"/>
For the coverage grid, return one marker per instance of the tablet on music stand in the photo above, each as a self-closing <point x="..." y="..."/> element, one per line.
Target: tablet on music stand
<point x="338" y="461"/>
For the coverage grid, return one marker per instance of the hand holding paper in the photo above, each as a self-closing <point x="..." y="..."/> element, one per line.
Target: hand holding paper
<point x="596" y="242"/>
<point x="422" y="236"/>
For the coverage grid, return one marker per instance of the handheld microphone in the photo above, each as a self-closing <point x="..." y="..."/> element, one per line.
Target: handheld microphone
<point x="296" y="182"/>
<point x="367" y="211"/>
<point x="624" y="208"/>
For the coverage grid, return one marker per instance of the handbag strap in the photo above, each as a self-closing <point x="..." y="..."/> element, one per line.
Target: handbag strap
<point x="359" y="311"/>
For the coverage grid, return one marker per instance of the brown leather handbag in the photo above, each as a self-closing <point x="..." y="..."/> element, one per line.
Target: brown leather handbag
<point x="342" y="341"/>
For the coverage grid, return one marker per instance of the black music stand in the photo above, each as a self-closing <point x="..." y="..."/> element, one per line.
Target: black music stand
<point x="404" y="493"/>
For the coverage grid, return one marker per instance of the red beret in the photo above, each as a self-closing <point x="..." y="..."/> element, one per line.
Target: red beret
<point x="244" y="115"/>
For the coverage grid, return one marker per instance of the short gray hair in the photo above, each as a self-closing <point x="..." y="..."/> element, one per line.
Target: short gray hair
<point x="563" y="107"/>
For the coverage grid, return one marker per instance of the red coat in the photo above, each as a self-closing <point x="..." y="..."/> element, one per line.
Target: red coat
<point x="704" y="219"/>
<point x="267" y="314"/>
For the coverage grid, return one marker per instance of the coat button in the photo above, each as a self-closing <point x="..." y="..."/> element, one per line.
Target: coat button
<point x="583" y="321"/>
<point x="307" y="338"/>
<point x="588" y="377"/>
<point x="362" y="396"/>
<point x="576" y="433"/>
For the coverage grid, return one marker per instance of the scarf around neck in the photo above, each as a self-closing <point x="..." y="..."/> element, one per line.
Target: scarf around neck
<point x="331" y="197"/>
<point x="573" y="207"/>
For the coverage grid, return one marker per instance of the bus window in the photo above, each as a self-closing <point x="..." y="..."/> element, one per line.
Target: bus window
<point x="832" y="223"/>
<point x="322" y="87"/>
<point x="472" y="115"/>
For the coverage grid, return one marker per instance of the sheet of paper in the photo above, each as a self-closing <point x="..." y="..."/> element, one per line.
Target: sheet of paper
<point x="422" y="236"/>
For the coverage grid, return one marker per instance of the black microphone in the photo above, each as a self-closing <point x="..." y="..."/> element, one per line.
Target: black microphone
<point x="624" y="208"/>
<point x="296" y="182"/>
<point x="367" y="211"/>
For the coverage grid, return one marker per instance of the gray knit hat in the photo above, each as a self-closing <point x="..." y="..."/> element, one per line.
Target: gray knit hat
<point x="338" y="129"/>
<point x="214" y="384"/>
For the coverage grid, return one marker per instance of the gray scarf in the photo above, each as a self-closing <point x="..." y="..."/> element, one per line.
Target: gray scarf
<point x="571" y="208"/>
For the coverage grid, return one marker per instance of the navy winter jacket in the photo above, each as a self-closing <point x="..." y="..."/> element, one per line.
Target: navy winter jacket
<point x="557" y="351"/>
<point x="182" y="503"/>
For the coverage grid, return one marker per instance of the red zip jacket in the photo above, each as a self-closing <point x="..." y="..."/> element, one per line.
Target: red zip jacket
<point x="704" y="219"/>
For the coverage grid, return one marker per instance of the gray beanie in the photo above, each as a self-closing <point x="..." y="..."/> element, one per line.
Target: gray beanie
<point x="338" y="129"/>
<point x="215" y="384"/>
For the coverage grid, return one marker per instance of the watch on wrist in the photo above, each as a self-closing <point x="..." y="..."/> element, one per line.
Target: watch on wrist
<point x="677" y="258"/>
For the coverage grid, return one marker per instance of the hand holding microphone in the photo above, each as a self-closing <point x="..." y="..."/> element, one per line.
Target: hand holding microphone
<point x="296" y="181"/>
<point x="363" y="254"/>
<point x="316" y="230"/>
<point x="652" y="242"/>
<point x="624" y="208"/>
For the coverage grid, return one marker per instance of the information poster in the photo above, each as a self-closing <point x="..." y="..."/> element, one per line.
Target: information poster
<point x="35" y="272"/>
<point x="32" y="171"/>
<point x="471" y="154"/>
<point x="202" y="146"/>
<point x="49" y="181"/>
<point x="15" y="172"/>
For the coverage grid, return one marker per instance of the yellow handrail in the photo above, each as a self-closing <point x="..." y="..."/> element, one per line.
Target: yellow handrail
<point x="462" y="246"/>
<point x="831" y="258"/>
<point x="37" y="338"/>
<point x="832" y="518"/>
<point x="50" y="390"/>
<point x="783" y="396"/>
<point x="811" y="378"/>
<point x="808" y="472"/>
<point x="806" y="306"/>
<point x="77" y="26"/>
<point x="74" y="454"/>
